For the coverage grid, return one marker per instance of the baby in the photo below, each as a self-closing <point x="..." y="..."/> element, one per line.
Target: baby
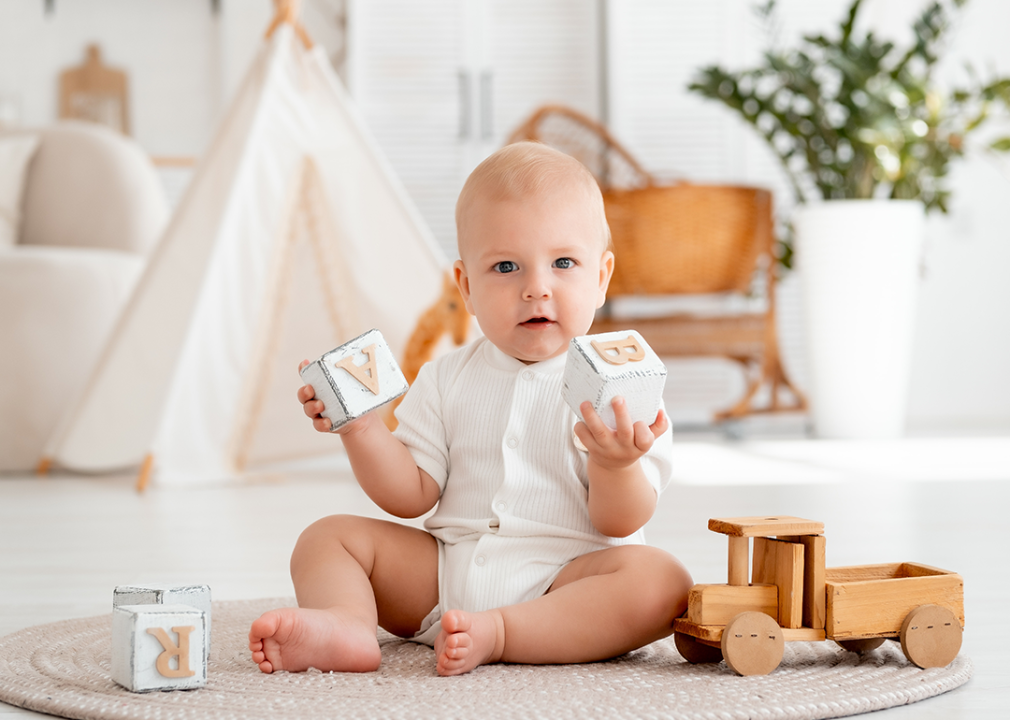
<point x="535" y="551"/>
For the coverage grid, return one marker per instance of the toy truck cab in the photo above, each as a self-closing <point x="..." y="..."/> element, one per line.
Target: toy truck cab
<point x="791" y="595"/>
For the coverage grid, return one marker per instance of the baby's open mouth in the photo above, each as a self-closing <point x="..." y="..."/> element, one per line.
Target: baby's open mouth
<point x="536" y="321"/>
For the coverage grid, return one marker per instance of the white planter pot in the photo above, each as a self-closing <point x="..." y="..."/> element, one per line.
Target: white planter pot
<point x="858" y="263"/>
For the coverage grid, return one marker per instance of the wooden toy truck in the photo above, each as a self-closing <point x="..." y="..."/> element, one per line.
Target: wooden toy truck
<point x="792" y="596"/>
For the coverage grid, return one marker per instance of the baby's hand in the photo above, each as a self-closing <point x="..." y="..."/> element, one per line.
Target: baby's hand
<point x="616" y="449"/>
<point x="312" y="407"/>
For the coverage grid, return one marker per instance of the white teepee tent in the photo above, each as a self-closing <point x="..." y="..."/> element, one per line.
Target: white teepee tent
<point x="293" y="237"/>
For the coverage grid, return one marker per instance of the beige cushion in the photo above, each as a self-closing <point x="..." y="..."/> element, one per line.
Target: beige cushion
<point x="57" y="307"/>
<point x="88" y="186"/>
<point x="15" y="153"/>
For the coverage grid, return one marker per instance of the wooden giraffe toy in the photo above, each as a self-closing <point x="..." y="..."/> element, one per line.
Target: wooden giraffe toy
<point x="447" y="315"/>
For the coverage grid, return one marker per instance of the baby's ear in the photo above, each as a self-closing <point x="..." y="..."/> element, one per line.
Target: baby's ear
<point x="606" y="272"/>
<point x="463" y="283"/>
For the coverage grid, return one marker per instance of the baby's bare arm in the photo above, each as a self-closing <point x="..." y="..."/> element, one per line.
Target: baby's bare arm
<point x="621" y="500"/>
<point x="382" y="464"/>
<point x="386" y="470"/>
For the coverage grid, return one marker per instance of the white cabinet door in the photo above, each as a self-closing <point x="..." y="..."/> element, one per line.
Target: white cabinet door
<point x="542" y="53"/>
<point x="442" y="83"/>
<point x="403" y="67"/>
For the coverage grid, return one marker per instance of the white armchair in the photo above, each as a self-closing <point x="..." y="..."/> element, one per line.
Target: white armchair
<point x="92" y="208"/>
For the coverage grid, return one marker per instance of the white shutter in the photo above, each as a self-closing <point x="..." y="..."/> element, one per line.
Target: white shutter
<point x="404" y="74"/>
<point x="542" y="52"/>
<point x="654" y="47"/>
<point x="442" y="83"/>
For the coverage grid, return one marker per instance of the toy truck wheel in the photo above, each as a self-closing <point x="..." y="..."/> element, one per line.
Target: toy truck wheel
<point x="931" y="636"/>
<point x="752" y="644"/>
<point x="695" y="651"/>
<point x="862" y="645"/>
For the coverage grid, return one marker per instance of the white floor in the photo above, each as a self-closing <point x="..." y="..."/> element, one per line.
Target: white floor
<point x="66" y="542"/>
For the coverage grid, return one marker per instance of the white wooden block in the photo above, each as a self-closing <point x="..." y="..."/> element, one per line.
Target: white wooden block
<point x="355" y="378"/>
<point x="600" y="367"/>
<point x="197" y="596"/>
<point x="159" y="647"/>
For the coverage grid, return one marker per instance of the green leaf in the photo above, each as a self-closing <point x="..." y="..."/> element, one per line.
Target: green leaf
<point x="1001" y="145"/>
<point x="849" y="23"/>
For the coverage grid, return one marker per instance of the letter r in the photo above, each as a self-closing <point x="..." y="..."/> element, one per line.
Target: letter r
<point x="180" y="651"/>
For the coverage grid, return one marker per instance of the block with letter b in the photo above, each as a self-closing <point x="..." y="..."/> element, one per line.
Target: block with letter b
<point x="355" y="378"/>
<point x="600" y="367"/>
<point x="159" y="647"/>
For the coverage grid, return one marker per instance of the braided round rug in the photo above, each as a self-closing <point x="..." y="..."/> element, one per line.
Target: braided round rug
<point x="63" y="669"/>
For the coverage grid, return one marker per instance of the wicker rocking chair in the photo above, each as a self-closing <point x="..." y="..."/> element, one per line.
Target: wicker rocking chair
<point x="677" y="240"/>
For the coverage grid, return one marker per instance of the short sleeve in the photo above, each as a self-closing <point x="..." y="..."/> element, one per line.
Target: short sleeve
<point x="420" y="427"/>
<point x="658" y="462"/>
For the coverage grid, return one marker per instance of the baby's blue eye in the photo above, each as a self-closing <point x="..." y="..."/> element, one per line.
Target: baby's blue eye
<point x="506" y="266"/>
<point x="564" y="263"/>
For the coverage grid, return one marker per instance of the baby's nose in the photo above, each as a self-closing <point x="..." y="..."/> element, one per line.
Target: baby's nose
<point x="537" y="288"/>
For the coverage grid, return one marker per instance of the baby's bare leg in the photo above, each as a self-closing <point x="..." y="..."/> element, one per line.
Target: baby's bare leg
<point x="350" y="574"/>
<point x="602" y="605"/>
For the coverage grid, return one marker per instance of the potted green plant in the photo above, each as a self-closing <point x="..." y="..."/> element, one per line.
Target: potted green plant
<point x="866" y="138"/>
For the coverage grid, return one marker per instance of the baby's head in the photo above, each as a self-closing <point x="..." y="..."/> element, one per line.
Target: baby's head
<point x="526" y="169"/>
<point x="534" y="249"/>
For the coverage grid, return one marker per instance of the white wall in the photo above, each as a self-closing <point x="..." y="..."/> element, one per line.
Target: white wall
<point x="168" y="47"/>
<point x="961" y="373"/>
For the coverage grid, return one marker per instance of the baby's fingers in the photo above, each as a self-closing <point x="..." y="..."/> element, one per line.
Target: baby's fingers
<point x="593" y="421"/>
<point x="305" y="393"/>
<point x="313" y="408"/>
<point x="645" y="435"/>
<point x="661" y="425"/>
<point x="622" y="418"/>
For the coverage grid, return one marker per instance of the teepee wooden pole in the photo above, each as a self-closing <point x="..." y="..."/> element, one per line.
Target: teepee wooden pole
<point x="144" y="476"/>
<point x="287" y="12"/>
<point x="277" y="296"/>
<point x="335" y="277"/>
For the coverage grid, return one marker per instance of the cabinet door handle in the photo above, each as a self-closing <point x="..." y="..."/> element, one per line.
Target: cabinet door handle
<point x="486" y="106"/>
<point x="465" y="119"/>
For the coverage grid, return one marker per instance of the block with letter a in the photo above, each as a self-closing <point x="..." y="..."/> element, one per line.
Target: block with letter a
<point x="159" y="647"/>
<point x="355" y="378"/>
<point x="600" y="367"/>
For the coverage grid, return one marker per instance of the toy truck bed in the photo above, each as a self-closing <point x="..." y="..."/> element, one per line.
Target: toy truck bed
<point x="866" y="601"/>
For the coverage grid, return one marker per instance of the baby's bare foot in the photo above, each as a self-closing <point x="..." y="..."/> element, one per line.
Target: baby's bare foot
<point x="295" y="639"/>
<point x="468" y="640"/>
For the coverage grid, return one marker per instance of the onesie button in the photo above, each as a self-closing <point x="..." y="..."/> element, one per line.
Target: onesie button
<point x="527" y="375"/>
<point x="512" y="442"/>
<point x="501" y="506"/>
<point x="479" y="560"/>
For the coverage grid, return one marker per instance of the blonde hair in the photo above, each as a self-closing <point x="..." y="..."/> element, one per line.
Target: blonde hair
<point x="523" y="169"/>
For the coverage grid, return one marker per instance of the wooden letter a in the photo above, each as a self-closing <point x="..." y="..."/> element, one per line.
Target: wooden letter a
<point x="180" y="651"/>
<point x="366" y="374"/>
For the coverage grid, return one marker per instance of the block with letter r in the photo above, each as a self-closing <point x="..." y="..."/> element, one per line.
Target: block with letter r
<point x="159" y="647"/>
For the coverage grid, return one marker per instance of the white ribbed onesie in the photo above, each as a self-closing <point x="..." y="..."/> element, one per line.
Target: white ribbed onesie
<point x="496" y="436"/>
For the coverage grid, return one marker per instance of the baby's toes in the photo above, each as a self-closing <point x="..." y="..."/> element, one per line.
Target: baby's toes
<point x="449" y="665"/>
